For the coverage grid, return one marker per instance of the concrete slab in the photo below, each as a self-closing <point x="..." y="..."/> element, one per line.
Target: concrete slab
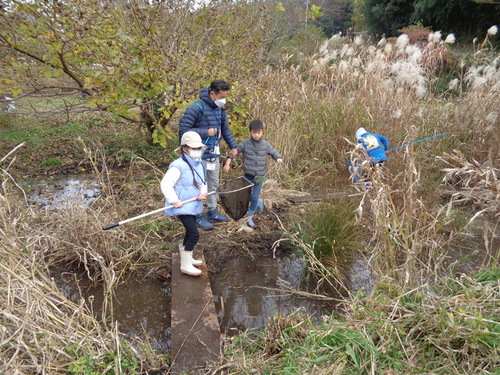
<point x="195" y="331"/>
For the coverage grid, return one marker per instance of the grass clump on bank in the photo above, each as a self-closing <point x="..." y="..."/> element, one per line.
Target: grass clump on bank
<point x="327" y="236"/>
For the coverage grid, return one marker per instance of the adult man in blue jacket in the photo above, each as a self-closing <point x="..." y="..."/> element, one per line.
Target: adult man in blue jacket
<point x="208" y="118"/>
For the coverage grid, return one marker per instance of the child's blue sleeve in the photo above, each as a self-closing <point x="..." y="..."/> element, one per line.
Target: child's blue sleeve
<point x="385" y="142"/>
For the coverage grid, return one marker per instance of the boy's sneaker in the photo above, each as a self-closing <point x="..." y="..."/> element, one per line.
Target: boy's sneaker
<point x="250" y="222"/>
<point x="214" y="217"/>
<point x="202" y="222"/>
<point x="260" y="206"/>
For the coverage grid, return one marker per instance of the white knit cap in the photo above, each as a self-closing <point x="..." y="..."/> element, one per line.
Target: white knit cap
<point x="360" y="132"/>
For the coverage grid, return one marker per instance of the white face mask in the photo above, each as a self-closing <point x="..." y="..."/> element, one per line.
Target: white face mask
<point x="195" y="154"/>
<point x="220" y="102"/>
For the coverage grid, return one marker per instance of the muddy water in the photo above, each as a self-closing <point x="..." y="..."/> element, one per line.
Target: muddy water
<point x="141" y="309"/>
<point x="248" y="292"/>
<point x="56" y="194"/>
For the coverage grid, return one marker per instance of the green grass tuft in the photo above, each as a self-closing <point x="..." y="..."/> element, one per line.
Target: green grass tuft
<point x="330" y="230"/>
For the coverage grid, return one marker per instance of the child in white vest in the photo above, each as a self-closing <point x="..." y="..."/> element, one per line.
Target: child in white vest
<point x="185" y="179"/>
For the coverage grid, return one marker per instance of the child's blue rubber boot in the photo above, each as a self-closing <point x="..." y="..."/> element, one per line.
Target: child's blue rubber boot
<point x="250" y="222"/>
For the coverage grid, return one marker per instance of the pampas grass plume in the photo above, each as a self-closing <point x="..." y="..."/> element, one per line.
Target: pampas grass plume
<point x="453" y="84"/>
<point x="402" y="42"/>
<point x="382" y="42"/>
<point x="492" y="117"/>
<point x="436" y="38"/>
<point x="450" y="39"/>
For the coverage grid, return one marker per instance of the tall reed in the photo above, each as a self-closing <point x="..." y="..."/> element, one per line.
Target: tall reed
<point x="312" y="107"/>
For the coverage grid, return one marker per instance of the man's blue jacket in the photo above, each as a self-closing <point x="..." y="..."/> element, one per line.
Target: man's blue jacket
<point x="202" y="115"/>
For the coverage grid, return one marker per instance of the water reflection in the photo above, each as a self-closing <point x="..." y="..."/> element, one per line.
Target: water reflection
<point x="360" y="277"/>
<point x="55" y="194"/>
<point x="141" y="309"/>
<point x="247" y="292"/>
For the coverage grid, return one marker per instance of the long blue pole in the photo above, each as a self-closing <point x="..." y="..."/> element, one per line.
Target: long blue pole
<point x="420" y="140"/>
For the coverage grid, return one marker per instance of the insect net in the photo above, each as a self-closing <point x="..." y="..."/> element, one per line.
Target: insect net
<point x="235" y="197"/>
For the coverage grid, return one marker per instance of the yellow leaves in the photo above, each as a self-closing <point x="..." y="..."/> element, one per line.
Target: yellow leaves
<point x="15" y="90"/>
<point x="314" y="12"/>
<point x="280" y="7"/>
<point x="126" y="57"/>
<point x="161" y="135"/>
<point x="47" y="74"/>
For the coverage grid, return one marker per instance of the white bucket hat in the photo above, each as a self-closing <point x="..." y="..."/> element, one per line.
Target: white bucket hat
<point x="191" y="139"/>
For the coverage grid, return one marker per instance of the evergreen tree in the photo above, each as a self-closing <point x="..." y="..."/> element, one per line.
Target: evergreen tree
<point x="462" y="17"/>
<point x="466" y="18"/>
<point x="386" y="17"/>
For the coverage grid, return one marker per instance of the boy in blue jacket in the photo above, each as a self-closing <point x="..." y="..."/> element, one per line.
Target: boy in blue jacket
<point x="376" y="146"/>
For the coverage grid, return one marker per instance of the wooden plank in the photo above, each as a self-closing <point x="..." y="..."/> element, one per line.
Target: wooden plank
<point x="195" y="330"/>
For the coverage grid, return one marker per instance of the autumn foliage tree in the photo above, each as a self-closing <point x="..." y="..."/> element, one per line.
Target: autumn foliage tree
<point x="139" y="60"/>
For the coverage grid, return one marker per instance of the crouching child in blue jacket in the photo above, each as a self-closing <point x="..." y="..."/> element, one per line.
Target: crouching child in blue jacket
<point x="185" y="179"/>
<point x="376" y="145"/>
<point x="255" y="151"/>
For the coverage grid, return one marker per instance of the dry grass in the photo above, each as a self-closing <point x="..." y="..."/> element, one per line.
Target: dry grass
<point x="42" y="331"/>
<point x="405" y="243"/>
<point x="311" y="108"/>
<point x="310" y="111"/>
<point x="474" y="181"/>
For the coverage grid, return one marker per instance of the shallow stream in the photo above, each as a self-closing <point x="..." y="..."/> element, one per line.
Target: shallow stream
<point x="247" y="293"/>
